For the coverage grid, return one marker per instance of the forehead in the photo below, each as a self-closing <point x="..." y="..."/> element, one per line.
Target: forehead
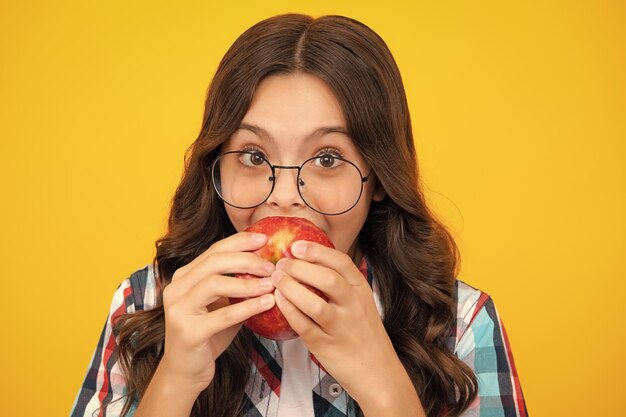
<point x="294" y="105"/>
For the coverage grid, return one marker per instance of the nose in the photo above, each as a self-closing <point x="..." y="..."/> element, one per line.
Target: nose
<point x="285" y="194"/>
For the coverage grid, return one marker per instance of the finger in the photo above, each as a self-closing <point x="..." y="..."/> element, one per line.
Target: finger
<point x="303" y="299"/>
<point x="303" y="325"/>
<point x="239" y="242"/>
<point x="331" y="258"/>
<point x="323" y="278"/>
<point x="328" y="281"/>
<point x="225" y="263"/>
<point x="215" y="287"/>
<point x="234" y="314"/>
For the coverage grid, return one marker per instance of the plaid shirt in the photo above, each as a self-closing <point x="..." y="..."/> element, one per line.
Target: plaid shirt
<point x="480" y="341"/>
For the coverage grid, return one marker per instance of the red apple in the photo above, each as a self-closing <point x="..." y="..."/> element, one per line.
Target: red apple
<point x="281" y="233"/>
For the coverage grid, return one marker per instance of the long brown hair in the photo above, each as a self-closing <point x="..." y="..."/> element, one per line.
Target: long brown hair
<point x="410" y="252"/>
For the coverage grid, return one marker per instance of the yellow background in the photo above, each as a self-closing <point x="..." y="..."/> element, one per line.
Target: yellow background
<point x="519" y="116"/>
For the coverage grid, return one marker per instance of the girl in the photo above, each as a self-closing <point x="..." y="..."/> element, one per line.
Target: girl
<point x="410" y="340"/>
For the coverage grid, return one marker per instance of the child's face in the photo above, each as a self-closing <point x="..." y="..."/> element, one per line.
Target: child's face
<point x="285" y="111"/>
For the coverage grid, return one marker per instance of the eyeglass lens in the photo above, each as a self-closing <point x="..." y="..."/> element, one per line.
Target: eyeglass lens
<point x="327" y="184"/>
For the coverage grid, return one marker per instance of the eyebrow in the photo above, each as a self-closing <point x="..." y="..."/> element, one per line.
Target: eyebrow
<point x="319" y="132"/>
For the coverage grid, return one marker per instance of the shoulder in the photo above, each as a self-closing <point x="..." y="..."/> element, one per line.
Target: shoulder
<point x="482" y="343"/>
<point x="470" y="301"/>
<point x="137" y="292"/>
<point x="143" y="286"/>
<point x="105" y="384"/>
<point x="476" y="317"/>
<point x="480" y="336"/>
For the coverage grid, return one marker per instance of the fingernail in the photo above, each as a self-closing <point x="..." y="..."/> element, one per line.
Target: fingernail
<point x="265" y="284"/>
<point x="267" y="300"/>
<point x="276" y="276"/>
<point x="298" y="248"/>
<point x="258" y="238"/>
<point x="281" y="264"/>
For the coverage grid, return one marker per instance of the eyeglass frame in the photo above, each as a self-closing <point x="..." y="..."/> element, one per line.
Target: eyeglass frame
<point x="272" y="179"/>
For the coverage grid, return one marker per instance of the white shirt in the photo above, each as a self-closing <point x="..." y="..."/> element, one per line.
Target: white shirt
<point x="295" y="389"/>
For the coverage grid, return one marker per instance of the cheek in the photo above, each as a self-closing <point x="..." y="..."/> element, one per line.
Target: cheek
<point x="345" y="229"/>
<point x="239" y="218"/>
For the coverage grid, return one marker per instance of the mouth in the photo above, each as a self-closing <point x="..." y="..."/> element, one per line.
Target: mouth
<point x="292" y="218"/>
<point x="291" y="222"/>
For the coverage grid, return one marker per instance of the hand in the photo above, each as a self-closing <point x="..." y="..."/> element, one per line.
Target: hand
<point x="346" y="334"/>
<point x="200" y="322"/>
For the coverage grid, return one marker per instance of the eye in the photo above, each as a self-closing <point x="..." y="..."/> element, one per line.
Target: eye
<point x="327" y="160"/>
<point x="252" y="158"/>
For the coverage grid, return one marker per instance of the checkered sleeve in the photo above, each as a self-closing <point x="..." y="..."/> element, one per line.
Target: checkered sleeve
<point x="484" y="346"/>
<point x="102" y="393"/>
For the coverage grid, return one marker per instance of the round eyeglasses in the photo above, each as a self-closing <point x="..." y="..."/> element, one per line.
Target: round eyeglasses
<point x="326" y="183"/>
